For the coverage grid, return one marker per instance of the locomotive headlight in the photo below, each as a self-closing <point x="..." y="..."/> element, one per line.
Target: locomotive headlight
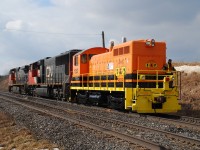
<point x="150" y="42"/>
<point x="142" y="77"/>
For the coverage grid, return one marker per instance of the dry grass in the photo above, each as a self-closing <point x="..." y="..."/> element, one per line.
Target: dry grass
<point x="20" y="138"/>
<point x="13" y="136"/>
<point x="190" y="94"/>
<point x="184" y="63"/>
<point x="3" y="83"/>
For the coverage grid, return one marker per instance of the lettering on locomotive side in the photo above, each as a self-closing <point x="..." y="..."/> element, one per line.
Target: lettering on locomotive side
<point x="76" y="70"/>
<point x="49" y="71"/>
<point x="120" y="71"/>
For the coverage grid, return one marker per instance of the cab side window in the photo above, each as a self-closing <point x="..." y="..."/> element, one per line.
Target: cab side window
<point x="84" y="58"/>
<point x="76" y="61"/>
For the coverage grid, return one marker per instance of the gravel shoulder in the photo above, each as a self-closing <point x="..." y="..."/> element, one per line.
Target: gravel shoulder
<point x="14" y="136"/>
<point x="68" y="135"/>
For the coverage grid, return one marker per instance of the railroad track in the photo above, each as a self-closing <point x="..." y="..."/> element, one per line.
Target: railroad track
<point x="129" y="128"/>
<point x="179" y="121"/>
<point x="184" y="121"/>
<point x="104" y="130"/>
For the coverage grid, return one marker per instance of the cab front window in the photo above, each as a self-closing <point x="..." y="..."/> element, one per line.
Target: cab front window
<point x="90" y="56"/>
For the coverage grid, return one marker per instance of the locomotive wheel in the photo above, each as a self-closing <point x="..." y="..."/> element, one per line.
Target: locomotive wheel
<point x="116" y="102"/>
<point x="10" y="89"/>
<point x="82" y="98"/>
<point x="34" y="93"/>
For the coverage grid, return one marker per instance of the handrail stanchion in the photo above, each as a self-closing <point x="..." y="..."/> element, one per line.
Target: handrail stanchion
<point x="123" y="82"/>
<point x="114" y="82"/>
<point x="93" y="80"/>
<point x="157" y="79"/>
<point x="137" y="86"/>
<point x="88" y="81"/>
<point x="100" y="81"/>
<point x="82" y="80"/>
<point x="180" y="85"/>
<point x="107" y="82"/>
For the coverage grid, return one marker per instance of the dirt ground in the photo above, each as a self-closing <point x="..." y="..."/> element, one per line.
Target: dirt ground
<point x="3" y="83"/>
<point x="14" y="137"/>
<point x="190" y="96"/>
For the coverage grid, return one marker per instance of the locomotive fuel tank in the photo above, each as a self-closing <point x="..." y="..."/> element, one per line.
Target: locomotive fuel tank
<point x="42" y="91"/>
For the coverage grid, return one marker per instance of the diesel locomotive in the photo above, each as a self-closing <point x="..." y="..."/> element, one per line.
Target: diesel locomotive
<point x="125" y="76"/>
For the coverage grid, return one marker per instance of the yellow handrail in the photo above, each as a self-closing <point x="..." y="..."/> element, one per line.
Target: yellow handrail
<point x="90" y="78"/>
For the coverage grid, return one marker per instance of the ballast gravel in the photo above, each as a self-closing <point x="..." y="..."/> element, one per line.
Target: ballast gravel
<point x="66" y="134"/>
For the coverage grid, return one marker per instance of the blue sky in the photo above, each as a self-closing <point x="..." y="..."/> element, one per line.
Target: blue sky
<point x="34" y="29"/>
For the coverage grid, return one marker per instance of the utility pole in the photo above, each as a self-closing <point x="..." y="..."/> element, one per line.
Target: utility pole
<point x="103" y="39"/>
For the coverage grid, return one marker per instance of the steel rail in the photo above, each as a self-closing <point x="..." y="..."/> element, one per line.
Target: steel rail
<point x="173" y="135"/>
<point x="194" y="125"/>
<point x="104" y="130"/>
<point x="180" y="122"/>
<point x="169" y="134"/>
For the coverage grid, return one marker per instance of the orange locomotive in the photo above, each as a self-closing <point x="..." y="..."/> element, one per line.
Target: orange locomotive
<point x="126" y="76"/>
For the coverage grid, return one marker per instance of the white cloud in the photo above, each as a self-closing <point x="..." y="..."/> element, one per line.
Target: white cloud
<point x="17" y="24"/>
<point x="176" y="22"/>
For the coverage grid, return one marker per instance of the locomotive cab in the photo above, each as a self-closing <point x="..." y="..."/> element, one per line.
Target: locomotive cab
<point x="34" y="73"/>
<point x="81" y="75"/>
<point x="12" y="76"/>
<point x="81" y="60"/>
<point x="18" y="79"/>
